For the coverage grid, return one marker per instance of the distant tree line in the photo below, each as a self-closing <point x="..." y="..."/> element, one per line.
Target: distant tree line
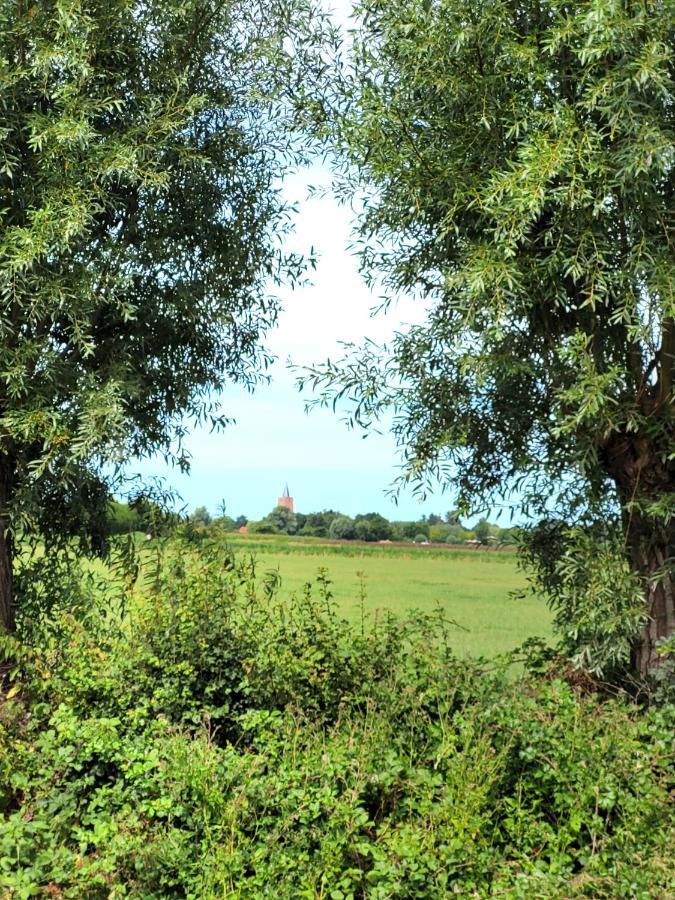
<point x="140" y="514"/>
<point x="201" y="516"/>
<point x="144" y="515"/>
<point x="372" y="527"/>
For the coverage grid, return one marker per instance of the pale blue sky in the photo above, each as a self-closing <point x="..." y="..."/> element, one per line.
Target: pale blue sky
<point x="274" y="441"/>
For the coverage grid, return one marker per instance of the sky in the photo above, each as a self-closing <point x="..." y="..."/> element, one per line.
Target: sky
<point x="274" y="441"/>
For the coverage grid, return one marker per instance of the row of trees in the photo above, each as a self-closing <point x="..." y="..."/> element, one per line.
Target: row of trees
<point x="363" y="527"/>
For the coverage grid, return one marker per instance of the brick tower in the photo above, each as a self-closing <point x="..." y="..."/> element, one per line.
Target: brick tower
<point x="286" y="500"/>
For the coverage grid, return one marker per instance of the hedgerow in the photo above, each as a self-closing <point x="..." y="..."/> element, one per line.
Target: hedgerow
<point x="213" y="742"/>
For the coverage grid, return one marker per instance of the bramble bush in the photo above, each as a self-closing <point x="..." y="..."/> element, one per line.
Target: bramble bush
<point x="210" y="741"/>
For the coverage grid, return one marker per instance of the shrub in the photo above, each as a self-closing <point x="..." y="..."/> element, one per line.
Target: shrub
<point x="262" y="527"/>
<point x="217" y="742"/>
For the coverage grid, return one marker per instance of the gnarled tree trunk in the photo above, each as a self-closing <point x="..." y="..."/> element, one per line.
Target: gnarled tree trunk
<point x="6" y="580"/>
<point x="644" y="475"/>
<point x="654" y="560"/>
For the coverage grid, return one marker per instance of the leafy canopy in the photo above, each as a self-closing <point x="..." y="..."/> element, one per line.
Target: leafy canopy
<point x="140" y="148"/>
<point x="515" y="162"/>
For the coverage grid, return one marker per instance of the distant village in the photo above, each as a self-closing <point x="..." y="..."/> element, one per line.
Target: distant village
<point x="330" y="524"/>
<point x="370" y="527"/>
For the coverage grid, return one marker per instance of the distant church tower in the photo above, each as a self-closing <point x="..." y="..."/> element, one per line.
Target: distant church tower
<point x="286" y="500"/>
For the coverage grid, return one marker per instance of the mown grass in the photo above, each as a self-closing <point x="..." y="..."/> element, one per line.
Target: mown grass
<point x="474" y="588"/>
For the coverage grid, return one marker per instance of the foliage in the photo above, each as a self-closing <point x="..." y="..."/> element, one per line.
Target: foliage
<point x="218" y="743"/>
<point x="280" y="521"/>
<point x="342" y="529"/>
<point x="139" y="514"/>
<point x="598" y="601"/>
<point x="372" y="527"/>
<point x="261" y="527"/>
<point x="48" y="584"/>
<point x="317" y="524"/>
<point x="122" y="518"/>
<point x="139" y="154"/>
<point x="439" y="533"/>
<point x="155" y="518"/>
<point x="482" y="531"/>
<point x="283" y="520"/>
<point x="227" y="523"/>
<point x="515" y="164"/>
<point x="456" y="534"/>
<point x="201" y="516"/>
<point x="408" y="530"/>
<point x="665" y="676"/>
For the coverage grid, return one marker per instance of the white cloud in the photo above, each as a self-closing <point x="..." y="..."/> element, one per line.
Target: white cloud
<point x="274" y="440"/>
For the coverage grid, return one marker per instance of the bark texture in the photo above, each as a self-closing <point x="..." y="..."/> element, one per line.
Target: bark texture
<point x="643" y="474"/>
<point x="6" y="580"/>
<point x="655" y="565"/>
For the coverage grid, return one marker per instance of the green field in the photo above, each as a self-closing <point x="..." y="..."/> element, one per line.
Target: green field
<point x="473" y="587"/>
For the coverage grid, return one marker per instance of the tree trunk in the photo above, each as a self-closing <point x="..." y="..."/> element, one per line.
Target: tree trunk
<point x="6" y="587"/>
<point x="644" y="476"/>
<point x="6" y="580"/>
<point x="655" y="565"/>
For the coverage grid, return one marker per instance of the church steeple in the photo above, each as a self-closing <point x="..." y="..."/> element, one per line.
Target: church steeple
<point x="286" y="500"/>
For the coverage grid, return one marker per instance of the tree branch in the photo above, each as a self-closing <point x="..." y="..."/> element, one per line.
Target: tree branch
<point x="666" y="363"/>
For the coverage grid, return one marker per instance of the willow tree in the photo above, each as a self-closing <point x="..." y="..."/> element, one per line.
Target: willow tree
<point x="140" y="149"/>
<point x="515" y="161"/>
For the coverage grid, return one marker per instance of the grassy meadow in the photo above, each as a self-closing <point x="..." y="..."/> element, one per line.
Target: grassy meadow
<point x="472" y="587"/>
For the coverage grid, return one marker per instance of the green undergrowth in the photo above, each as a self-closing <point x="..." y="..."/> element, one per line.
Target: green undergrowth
<point x="212" y="741"/>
